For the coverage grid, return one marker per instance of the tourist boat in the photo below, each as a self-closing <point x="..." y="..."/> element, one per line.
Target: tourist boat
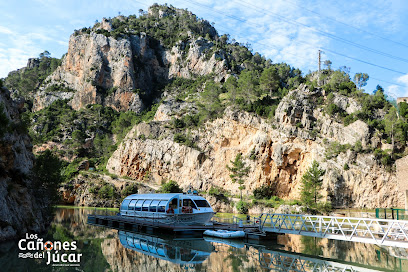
<point x="225" y="234"/>
<point x="177" y="208"/>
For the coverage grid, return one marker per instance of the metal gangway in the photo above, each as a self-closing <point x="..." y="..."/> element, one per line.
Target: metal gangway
<point x="383" y="232"/>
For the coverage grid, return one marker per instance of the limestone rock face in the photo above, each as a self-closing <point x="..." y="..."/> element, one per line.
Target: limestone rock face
<point x="347" y="104"/>
<point x="43" y="98"/>
<point x="107" y="71"/>
<point x="197" y="60"/>
<point x="278" y="154"/>
<point x="21" y="210"/>
<point x="114" y="72"/>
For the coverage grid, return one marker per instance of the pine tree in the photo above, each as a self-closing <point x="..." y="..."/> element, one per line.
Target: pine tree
<point x="238" y="171"/>
<point x="311" y="186"/>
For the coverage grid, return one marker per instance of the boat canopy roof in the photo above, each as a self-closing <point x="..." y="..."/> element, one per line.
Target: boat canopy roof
<point x="161" y="196"/>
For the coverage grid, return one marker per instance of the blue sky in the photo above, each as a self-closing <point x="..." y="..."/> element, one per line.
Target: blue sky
<point x="283" y="30"/>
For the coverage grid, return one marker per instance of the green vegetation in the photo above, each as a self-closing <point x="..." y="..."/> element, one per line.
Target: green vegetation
<point x="219" y="193"/>
<point x="74" y="129"/>
<point x="170" y="187"/>
<point x="263" y="192"/>
<point x="335" y="148"/>
<point x="47" y="177"/>
<point x="107" y="191"/>
<point x="311" y="187"/>
<point x="130" y="189"/>
<point x="27" y="80"/>
<point x="185" y="140"/>
<point x="239" y="171"/>
<point x="168" y="29"/>
<point x="389" y="127"/>
<point x="242" y="207"/>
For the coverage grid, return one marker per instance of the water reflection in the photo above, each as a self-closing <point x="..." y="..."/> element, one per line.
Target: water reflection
<point x="180" y="251"/>
<point x="107" y="249"/>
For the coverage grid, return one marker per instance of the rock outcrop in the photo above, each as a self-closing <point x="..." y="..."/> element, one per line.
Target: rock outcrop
<point x="116" y="72"/>
<point x="277" y="153"/>
<point x="107" y="71"/>
<point x="21" y="210"/>
<point x="85" y="190"/>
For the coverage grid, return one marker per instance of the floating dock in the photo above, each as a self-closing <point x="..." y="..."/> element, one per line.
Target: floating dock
<point x="133" y="223"/>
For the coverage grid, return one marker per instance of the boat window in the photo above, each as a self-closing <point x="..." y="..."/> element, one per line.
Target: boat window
<point x="160" y="250"/>
<point x="151" y="247"/>
<point x="129" y="240"/>
<point x="162" y="206"/>
<point x="153" y="206"/>
<point x="143" y="244"/>
<point x="132" y="205"/>
<point x="139" y="205"/>
<point x="125" y="204"/>
<point x="202" y="203"/>
<point x="173" y="203"/>
<point x="189" y="203"/>
<point x="146" y="205"/>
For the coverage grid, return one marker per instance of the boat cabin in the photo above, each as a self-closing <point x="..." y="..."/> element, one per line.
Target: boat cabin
<point x="176" y="203"/>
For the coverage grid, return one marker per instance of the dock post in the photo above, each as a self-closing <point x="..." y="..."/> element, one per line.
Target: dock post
<point x="320" y="224"/>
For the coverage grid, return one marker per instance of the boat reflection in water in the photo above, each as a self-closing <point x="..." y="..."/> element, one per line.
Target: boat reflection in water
<point x="185" y="251"/>
<point x="190" y="252"/>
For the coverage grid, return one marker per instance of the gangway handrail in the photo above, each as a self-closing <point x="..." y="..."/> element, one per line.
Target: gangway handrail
<point x="386" y="232"/>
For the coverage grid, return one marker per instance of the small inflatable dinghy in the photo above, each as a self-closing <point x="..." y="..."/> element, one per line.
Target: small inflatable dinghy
<point x="226" y="234"/>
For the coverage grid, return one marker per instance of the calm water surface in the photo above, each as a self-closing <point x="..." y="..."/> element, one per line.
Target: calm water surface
<point x="105" y="249"/>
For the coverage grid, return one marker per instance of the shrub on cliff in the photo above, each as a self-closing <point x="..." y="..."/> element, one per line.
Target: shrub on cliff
<point x="170" y="187"/>
<point x="263" y="192"/>
<point x="129" y="190"/>
<point x="107" y="191"/>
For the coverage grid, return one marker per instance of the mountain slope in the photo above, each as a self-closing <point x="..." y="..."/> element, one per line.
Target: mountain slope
<point x="192" y="100"/>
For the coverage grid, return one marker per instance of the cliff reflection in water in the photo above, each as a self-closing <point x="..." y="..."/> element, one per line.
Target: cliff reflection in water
<point x="106" y="249"/>
<point x="214" y="254"/>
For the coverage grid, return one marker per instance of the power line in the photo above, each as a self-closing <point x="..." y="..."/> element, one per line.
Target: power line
<point x="363" y="61"/>
<point x="324" y="33"/>
<point x="279" y="49"/>
<point x="257" y="25"/>
<point x="331" y="51"/>
<point x="348" y="25"/>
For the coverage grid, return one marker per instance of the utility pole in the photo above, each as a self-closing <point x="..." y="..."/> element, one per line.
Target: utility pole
<point x="319" y="61"/>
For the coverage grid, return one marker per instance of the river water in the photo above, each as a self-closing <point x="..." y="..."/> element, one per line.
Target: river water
<point x="104" y="249"/>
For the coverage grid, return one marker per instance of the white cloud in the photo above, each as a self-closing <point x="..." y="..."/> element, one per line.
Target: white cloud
<point x="397" y="90"/>
<point x="5" y="30"/>
<point x="274" y="28"/>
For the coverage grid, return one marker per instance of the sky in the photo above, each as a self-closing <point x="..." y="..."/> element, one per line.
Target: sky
<point x="368" y="36"/>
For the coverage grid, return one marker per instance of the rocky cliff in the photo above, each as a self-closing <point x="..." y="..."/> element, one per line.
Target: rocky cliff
<point x="122" y="72"/>
<point x="211" y="99"/>
<point x="21" y="210"/>
<point x="278" y="154"/>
